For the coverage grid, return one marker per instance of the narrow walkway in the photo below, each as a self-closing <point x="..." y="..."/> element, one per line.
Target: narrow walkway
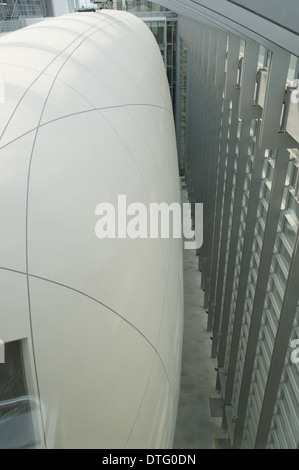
<point x="195" y="428"/>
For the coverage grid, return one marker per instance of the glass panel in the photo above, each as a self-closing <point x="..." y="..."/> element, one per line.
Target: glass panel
<point x="265" y="192"/>
<point x="284" y="254"/>
<point x="276" y="292"/>
<point x="293" y="208"/>
<point x="16" y="425"/>
<point x="289" y="229"/>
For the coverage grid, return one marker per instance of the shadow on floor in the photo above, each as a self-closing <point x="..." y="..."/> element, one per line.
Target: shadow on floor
<point x="198" y="422"/>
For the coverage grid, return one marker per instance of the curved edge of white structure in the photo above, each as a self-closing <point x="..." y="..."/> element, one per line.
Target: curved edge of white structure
<point x="87" y="117"/>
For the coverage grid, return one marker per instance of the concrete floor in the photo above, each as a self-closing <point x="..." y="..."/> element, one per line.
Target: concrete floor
<point x="196" y="428"/>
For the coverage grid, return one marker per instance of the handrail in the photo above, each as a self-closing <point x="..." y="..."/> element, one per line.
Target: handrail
<point x="19" y="400"/>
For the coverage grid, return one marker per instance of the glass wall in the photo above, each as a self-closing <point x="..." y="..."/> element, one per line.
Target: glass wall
<point x="17" y="408"/>
<point x="142" y="6"/>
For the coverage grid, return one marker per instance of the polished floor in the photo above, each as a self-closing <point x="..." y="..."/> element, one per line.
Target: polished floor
<point x="196" y="428"/>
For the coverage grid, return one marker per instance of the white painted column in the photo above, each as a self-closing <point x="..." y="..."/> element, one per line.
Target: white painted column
<point x="60" y="7"/>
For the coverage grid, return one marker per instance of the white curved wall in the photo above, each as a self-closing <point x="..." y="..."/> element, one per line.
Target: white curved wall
<point x="87" y="117"/>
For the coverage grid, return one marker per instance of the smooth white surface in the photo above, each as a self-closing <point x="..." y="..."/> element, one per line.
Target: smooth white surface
<point x="14" y="166"/>
<point x="94" y="375"/>
<point x="14" y="313"/>
<point x="88" y="117"/>
<point x="158" y="391"/>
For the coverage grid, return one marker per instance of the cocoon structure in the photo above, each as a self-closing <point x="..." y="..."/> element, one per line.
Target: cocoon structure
<point x="87" y="117"/>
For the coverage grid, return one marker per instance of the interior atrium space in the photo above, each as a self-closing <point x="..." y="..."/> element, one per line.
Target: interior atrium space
<point x="187" y="102"/>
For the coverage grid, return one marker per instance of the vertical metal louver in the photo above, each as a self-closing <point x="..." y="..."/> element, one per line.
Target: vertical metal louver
<point x="242" y="162"/>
